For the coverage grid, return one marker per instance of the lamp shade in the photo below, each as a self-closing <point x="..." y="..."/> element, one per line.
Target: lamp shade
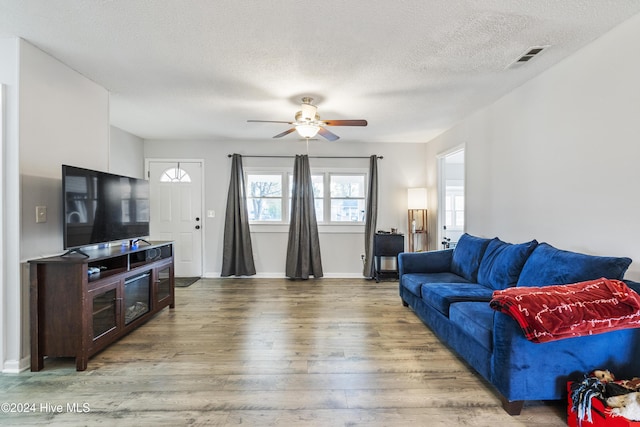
<point x="417" y="198"/>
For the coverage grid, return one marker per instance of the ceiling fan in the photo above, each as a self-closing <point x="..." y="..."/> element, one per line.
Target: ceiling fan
<point x="308" y="124"/>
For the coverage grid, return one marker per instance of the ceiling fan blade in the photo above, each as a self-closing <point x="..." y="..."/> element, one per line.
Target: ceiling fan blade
<point x="286" y="132"/>
<point x="328" y="135"/>
<point x="345" y="122"/>
<point x="268" y="121"/>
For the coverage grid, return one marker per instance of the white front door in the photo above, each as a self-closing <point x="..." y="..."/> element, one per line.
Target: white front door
<point x="176" y="211"/>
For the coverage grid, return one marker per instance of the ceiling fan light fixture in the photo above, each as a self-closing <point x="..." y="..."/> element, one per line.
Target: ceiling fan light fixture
<point x="307" y="130"/>
<point x="308" y="124"/>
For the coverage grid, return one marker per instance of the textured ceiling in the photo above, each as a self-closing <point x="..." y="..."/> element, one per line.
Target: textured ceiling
<point x="201" y="68"/>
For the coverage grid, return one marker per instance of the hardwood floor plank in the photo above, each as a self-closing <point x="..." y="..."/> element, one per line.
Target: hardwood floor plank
<point x="262" y="352"/>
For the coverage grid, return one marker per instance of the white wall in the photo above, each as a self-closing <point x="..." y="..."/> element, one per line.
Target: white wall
<point x="402" y="167"/>
<point x="126" y="153"/>
<point x="64" y="119"/>
<point x="55" y="116"/>
<point x="10" y="292"/>
<point x="557" y="159"/>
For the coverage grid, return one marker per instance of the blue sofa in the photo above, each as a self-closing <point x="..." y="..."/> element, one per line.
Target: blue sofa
<point x="450" y="290"/>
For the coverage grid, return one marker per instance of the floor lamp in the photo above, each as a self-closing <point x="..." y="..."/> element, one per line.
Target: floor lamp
<point x="417" y="219"/>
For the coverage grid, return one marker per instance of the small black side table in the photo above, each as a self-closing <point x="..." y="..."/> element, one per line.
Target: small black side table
<point x="386" y="245"/>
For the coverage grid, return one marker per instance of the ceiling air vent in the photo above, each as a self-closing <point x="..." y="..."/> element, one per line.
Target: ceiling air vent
<point x="530" y="53"/>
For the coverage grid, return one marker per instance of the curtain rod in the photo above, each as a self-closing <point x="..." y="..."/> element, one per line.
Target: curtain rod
<point x="313" y="157"/>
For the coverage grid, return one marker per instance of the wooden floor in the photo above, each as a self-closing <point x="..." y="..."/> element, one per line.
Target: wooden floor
<point x="261" y="352"/>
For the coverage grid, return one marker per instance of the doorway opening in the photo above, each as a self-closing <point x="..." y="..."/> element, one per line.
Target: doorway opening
<point x="451" y="197"/>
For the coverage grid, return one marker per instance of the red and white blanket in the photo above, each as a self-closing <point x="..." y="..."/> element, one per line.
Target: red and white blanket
<point x="563" y="311"/>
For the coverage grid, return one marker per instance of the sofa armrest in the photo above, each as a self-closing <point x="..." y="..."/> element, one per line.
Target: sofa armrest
<point x="523" y="370"/>
<point x="633" y="285"/>
<point x="425" y="262"/>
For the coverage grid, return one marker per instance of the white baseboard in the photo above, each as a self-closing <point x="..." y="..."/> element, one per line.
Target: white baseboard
<point x="281" y="275"/>
<point x="344" y="275"/>
<point x="16" y="366"/>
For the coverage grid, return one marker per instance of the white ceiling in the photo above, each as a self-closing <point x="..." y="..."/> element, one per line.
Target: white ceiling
<point x="201" y="68"/>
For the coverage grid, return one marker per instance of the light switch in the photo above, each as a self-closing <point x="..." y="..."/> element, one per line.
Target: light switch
<point x="41" y="214"/>
<point x="211" y="214"/>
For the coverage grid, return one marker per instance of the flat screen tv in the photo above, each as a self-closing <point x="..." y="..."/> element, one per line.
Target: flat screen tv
<point x="101" y="207"/>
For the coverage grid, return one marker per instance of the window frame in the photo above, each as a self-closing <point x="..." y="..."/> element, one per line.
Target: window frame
<point x="324" y="226"/>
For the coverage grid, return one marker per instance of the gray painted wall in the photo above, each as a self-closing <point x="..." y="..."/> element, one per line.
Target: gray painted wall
<point x="402" y="167"/>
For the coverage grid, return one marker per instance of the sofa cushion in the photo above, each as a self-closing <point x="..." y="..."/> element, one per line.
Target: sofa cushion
<point x="476" y="318"/>
<point x="413" y="282"/>
<point x="502" y="263"/>
<point x="467" y="256"/>
<point x="441" y="295"/>
<point x="550" y="266"/>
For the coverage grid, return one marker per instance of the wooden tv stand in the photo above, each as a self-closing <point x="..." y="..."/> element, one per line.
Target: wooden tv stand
<point x="75" y="314"/>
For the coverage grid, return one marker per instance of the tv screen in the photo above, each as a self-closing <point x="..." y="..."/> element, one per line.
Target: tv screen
<point x="101" y="207"/>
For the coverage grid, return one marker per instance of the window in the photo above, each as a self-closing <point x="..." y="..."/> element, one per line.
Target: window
<point x="175" y="175"/>
<point x="264" y="197"/>
<point x="454" y="209"/>
<point x="340" y="198"/>
<point x="347" y="197"/>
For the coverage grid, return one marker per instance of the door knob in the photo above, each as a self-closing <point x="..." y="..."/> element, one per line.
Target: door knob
<point x="197" y="227"/>
<point x="197" y="218"/>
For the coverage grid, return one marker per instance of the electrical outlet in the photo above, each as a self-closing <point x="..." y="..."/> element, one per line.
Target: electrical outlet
<point x="41" y="214"/>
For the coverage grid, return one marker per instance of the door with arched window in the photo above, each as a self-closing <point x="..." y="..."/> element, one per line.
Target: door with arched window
<point x="176" y="211"/>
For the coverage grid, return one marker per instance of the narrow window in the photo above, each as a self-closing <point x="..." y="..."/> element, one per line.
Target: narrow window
<point x="347" y="194"/>
<point x="264" y="197"/>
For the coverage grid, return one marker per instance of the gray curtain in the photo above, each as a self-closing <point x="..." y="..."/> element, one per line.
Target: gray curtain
<point x="237" y="254"/>
<point x="371" y="217"/>
<point x="303" y="249"/>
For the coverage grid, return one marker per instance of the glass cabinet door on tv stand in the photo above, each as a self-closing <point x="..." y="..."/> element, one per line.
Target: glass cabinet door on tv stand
<point x="104" y="303"/>
<point x="163" y="283"/>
